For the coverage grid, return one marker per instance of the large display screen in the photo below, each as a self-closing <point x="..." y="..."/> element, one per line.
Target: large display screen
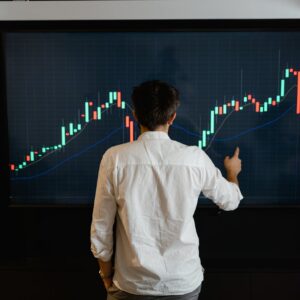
<point x="68" y="101"/>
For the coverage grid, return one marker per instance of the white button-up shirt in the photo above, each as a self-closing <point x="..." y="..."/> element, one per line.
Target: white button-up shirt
<point x="152" y="187"/>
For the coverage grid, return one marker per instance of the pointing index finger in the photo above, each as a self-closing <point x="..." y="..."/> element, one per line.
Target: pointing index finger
<point x="236" y="152"/>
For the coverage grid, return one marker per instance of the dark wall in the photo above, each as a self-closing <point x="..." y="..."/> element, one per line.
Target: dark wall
<point x="247" y="254"/>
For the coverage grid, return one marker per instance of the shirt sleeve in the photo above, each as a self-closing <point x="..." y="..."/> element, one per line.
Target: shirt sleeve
<point x="104" y="212"/>
<point x="226" y="195"/>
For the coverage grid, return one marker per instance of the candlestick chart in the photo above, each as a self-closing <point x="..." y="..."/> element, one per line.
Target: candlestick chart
<point x="69" y="100"/>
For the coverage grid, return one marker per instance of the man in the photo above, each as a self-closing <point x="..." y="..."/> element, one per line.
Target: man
<point x="152" y="187"/>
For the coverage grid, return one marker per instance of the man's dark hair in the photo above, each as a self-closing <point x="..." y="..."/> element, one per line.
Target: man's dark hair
<point x="154" y="103"/>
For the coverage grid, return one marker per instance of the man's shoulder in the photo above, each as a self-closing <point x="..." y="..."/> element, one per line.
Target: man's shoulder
<point x="182" y="146"/>
<point x="123" y="151"/>
<point x="188" y="154"/>
<point x="188" y="148"/>
<point x="117" y="149"/>
<point x="112" y="154"/>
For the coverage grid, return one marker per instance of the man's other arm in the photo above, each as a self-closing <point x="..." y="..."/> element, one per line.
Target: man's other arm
<point x="103" y="218"/>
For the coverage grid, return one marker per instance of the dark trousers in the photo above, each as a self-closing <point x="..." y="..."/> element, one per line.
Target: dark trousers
<point x="115" y="294"/>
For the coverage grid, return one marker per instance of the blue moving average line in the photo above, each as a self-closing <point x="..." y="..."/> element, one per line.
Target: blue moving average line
<point x="256" y="127"/>
<point x="69" y="158"/>
<point x="240" y="134"/>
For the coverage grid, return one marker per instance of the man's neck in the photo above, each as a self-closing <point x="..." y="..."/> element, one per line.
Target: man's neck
<point x="159" y="128"/>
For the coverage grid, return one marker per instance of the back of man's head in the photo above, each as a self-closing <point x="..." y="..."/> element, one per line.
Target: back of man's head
<point x="154" y="102"/>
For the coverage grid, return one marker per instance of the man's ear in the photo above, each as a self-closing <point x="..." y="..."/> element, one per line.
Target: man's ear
<point x="171" y="120"/>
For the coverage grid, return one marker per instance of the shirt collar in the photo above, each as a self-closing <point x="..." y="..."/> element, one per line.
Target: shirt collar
<point x="154" y="135"/>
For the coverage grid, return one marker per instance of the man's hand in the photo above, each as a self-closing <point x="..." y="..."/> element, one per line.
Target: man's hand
<point x="107" y="283"/>
<point x="107" y="270"/>
<point x="233" y="166"/>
